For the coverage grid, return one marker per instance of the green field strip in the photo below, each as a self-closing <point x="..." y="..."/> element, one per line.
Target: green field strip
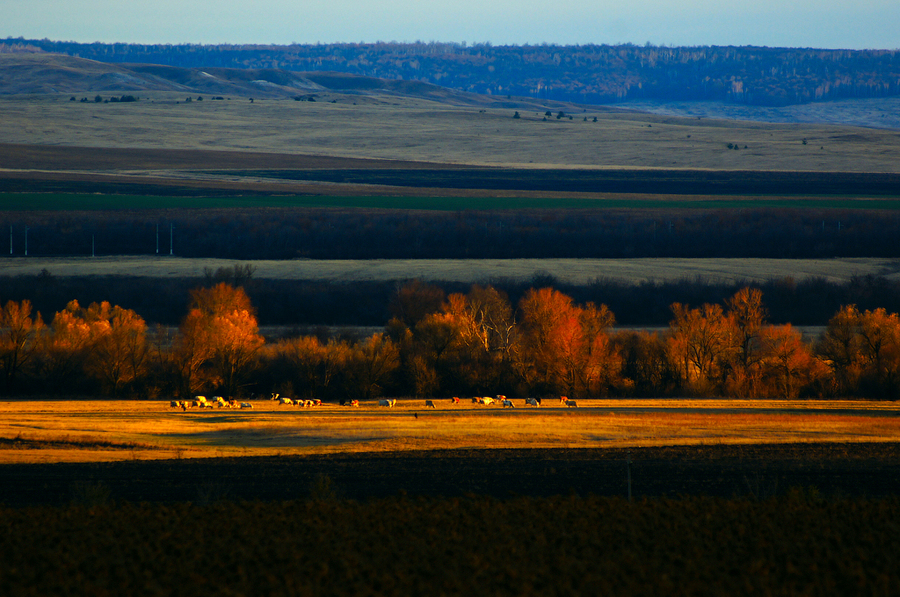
<point x="99" y="202"/>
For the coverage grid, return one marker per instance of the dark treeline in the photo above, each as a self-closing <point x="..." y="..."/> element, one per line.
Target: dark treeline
<point x="309" y="303"/>
<point x="808" y="233"/>
<point x="584" y="73"/>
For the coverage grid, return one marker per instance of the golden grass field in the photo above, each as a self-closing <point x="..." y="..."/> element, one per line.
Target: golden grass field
<point x="575" y="271"/>
<point x="33" y="431"/>
<point x="408" y="128"/>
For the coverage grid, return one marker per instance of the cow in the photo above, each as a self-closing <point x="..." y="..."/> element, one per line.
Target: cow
<point x="386" y="402"/>
<point x="354" y="403"/>
<point x="500" y="398"/>
<point x="246" y="405"/>
<point x="285" y="400"/>
<point x="532" y="402"/>
<point x="274" y="396"/>
<point x="476" y="400"/>
<point x="429" y="404"/>
<point x="175" y="403"/>
<point x="508" y="403"/>
<point x="487" y="400"/>
<point x="563" y="399"/>
<point x="455" y="400"/>
<point x="307" y="403"/>
<point x="571" y="404"/>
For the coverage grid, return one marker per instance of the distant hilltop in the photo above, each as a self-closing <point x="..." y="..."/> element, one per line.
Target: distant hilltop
<point x="588" y="74"/>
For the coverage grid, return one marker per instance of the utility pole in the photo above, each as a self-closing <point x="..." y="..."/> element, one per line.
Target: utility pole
<point x="10" y="239"/>
<point x="92" y="245"/>
<point x="157" y="239"/>
<point x="26" y="241"/>
<point x="171" y="239"/>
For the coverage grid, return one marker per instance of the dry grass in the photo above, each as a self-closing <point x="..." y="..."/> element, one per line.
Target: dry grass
<point x="391" y="127"/>
<point x="85" y="430"/>
<point x="576" y="271"/>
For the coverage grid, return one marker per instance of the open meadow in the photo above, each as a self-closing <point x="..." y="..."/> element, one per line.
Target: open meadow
<point x="40" y="431"/>
<point x="572" y="271"/>
<point x="409" y="128"/>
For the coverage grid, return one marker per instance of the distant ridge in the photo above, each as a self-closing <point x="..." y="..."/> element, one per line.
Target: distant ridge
<point x="593" y="74"/>
<point x="41" y="72"/>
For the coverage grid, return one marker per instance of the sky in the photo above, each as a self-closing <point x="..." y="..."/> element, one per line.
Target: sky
<point x="859" y="24"/>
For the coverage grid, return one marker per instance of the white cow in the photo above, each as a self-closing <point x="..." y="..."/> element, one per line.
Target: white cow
<point x="388" y="403"/>
<point x="532" y="402"/>
<point x="246" y="405"/>
<point x="285" y="400"/>
<point x="487" y="400"/>
<point x="571" y="404"/>
<point x="508" y="403"/>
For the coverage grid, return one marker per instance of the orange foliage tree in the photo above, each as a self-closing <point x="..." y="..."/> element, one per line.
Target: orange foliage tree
<point x="120" y="352"/>
<point x="564" y="348"/>
<point x="863" y="350"/>
<point x="788" y="364"/>
<point x="218" y="341"/>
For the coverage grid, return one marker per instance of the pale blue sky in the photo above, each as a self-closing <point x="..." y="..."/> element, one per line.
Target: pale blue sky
<point x="793" y="23"/>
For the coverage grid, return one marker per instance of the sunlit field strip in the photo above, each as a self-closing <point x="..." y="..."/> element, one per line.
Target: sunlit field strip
<point x="72" y="431"/>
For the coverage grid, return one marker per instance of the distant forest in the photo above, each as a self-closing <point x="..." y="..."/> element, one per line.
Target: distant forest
<point x="333" y="233"/>
<point x="593" y="74"/>
<point x="320" y="233"/>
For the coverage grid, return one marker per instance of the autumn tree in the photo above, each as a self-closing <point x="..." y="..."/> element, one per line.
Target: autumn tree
<point x="306" y="367"/>
<point x="788" y="363"/>
<point x="65" y="350"/>
<point x="746" y="315"/>
<point x="484" y="321"/>
<point x="372" y="364"/>
<point x="19" y="339"/>
<point x="880" y="351"/>
<point x="220" y="335"/>
<point x="841" y="346"/>
<point x="120" y="351"/>
<point x="414" y="300"/>
<point x="701" y="342"/>
<point x="565" y="348"/>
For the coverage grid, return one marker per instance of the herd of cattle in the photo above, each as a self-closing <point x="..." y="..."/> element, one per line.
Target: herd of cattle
<point x="220" y="402"/>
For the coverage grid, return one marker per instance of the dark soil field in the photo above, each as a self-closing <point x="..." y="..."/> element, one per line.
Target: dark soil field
<point x="756" y="471"/>
<point x="212" y="173"/>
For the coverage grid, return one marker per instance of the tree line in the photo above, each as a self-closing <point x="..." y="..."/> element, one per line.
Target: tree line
<point x="588" y="73"/>
<point x="463" y="343"/>
<point x="308" y="304"/>
<point x="322" y="233"/>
